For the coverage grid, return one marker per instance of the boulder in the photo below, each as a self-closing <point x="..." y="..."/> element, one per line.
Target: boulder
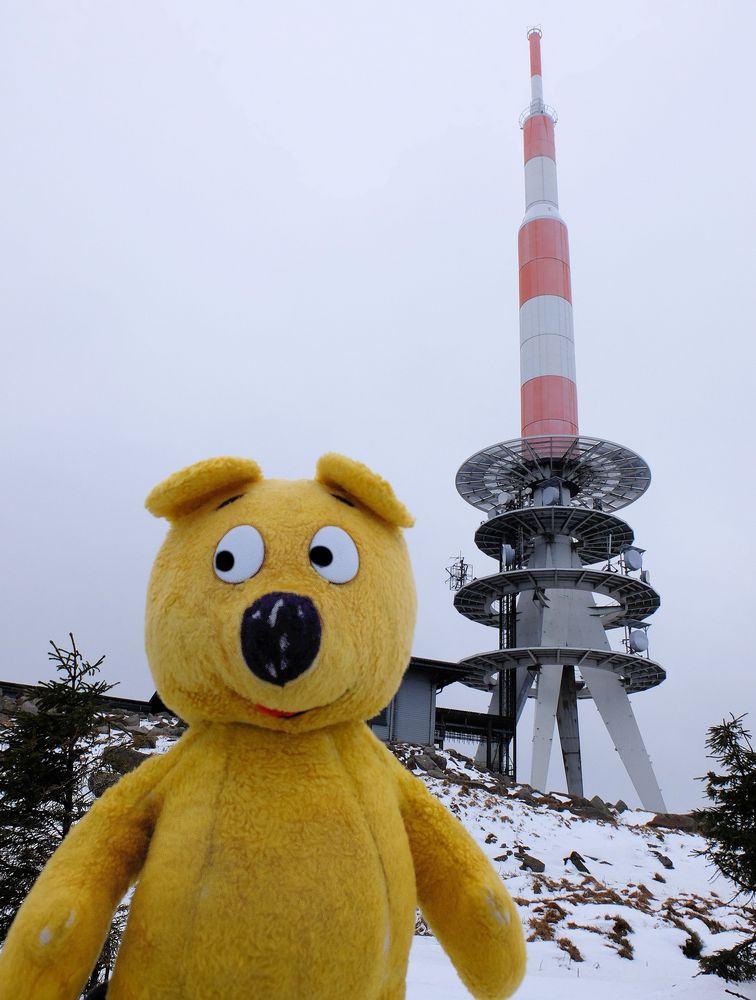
<point x="530" y="864"/>
<point x="440" y="761"/>
<point x="600" y="806"/>
<point x="578" y="862"/>
<point x="524" y="793"/>
<point x="122" y="759"/>
<point x="594" y="808"/>
<point x="100" y="781"/>
<point x="666" y="862"/>
<point x="143" y="739"/>
<point x="423" y="760"/>
<point x="674" y="821"/>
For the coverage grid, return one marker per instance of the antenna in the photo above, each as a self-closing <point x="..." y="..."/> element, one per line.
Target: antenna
<point x="549" y="606"/>
<point x="459" y="573"/>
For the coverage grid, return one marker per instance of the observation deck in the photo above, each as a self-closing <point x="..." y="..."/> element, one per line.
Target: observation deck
<point x="635" y="600"/>
<point x="600" y="536"/>
<point x="599" y="474"/>
<point x="635" y="673"/>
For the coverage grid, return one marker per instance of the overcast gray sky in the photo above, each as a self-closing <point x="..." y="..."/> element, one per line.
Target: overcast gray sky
<point x="274" y="230"/>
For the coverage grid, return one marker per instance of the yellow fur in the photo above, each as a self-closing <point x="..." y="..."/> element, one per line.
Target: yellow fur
<point x="277" y="858"/>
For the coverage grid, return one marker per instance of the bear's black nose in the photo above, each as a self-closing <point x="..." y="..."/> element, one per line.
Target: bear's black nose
<point x="280" y="636"/>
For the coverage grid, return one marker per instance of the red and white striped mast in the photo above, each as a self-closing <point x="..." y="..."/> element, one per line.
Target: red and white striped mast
<point x="548" y="392"/>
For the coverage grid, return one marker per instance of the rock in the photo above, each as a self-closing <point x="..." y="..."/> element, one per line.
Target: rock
<point x="530" y="864"/>
<point x="438" y="759"/>
<point x="491" y="838"/>
<point x="600" y="806"/>
<point x="143" y="739"/>
<point x="666" y="862"/>
<point x="504" y="856"/>
<point x="674" y="821"/>
<point x="594" y="808"/>
<point x="576" y="800"/>
<point x="424" y="761"/>
<point x="100" y="781"/>
<point x="122" y="759"/>
<point x="525" y="794"/>
<point x="578" y="862"/>
<point x="620" y="806"/>
<point x="173" y="733"/>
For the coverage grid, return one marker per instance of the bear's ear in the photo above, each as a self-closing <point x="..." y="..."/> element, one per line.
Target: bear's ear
<point x="356" y="480"/>
<point x="187" y="490"/>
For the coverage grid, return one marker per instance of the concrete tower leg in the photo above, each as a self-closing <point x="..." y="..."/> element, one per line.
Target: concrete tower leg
<point x="569" y="732"/>
<point x="614" y="707"/>
<point x="547" y="700"/>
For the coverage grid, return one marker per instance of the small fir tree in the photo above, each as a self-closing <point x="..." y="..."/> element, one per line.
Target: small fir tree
<point x="729" y="824"/>
<point x="46" y="759"/>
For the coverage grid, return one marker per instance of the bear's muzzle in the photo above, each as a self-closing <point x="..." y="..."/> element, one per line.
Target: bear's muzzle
<point x="280" y="636"/>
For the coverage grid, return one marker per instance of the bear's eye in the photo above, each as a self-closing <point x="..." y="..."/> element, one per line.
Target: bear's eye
<point x="334" y="555"/>
<point x="239" y="554"/>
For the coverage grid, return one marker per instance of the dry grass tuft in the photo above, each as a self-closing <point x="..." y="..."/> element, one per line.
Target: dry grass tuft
<point x="618" y="935"/>
<point x="584" y="927"/>
<point x="543" y="925"/>
<point x="572" y="950"/>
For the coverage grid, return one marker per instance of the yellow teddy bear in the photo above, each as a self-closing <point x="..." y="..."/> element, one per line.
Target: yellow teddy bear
<point x="279" y="849"/>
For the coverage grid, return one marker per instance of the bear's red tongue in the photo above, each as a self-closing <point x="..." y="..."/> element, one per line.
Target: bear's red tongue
<point x="275" y="713"/>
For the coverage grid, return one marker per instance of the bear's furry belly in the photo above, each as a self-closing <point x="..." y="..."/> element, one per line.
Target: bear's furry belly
<point x="268" y="877"/>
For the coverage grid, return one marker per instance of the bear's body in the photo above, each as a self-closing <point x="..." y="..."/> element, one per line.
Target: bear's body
<point x="279" y="850"/>
<point x="305" y="845"/>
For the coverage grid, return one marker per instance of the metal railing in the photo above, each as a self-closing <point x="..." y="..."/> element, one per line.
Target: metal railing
<point x="538" y="108"/>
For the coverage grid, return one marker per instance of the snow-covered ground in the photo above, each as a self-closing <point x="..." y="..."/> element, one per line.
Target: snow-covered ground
<point x="616" y="930"/>
<point x="551" y="976"/>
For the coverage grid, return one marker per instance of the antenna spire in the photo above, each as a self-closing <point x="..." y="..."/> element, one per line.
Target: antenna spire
<point x="547" y="352"/>
<point x="536" y="79"/>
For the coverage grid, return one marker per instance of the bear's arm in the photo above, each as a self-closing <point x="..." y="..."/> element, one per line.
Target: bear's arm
<point x="459" y="892"/>
<point x="59" y="930"/>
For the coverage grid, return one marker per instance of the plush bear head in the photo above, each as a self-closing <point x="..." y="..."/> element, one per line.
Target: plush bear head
<point x="286" y="604"/>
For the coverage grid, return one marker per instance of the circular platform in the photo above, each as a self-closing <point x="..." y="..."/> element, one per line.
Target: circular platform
<point x="601" y="474"/>
<point x="600" y="535"/>
<point x="635" y="600"/>
<point x="635" y="672"/>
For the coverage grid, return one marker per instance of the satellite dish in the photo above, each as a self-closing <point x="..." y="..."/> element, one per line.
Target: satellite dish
<point x="550" y="496"/>
<point x="633" y="559"/>
<point x="507" y="554"/>
<point x="503" y="499"/>
<point x="638" y="641"/>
